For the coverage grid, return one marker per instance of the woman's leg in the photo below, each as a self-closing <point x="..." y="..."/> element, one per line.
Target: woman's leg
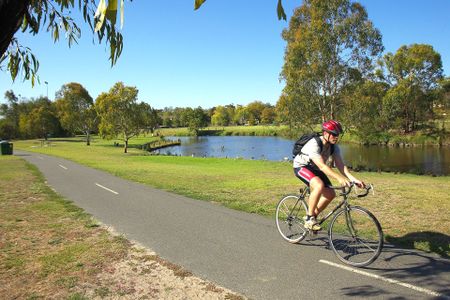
<point x="317" y="187"/>
<point x="327" y="196"/>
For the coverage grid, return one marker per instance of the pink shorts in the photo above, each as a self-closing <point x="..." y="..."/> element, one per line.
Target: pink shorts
<point x="307" y="173"/>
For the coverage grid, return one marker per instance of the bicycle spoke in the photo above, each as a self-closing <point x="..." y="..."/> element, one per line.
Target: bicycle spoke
<point x="355" y="236"/>
<point x="289" y="219"/>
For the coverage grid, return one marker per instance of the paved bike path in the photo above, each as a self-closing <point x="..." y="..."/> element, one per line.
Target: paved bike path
<point x="240" y="251"/>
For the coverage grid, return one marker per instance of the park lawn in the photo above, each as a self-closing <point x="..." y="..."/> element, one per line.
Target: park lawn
<point x="48" y="246"/>
<point x="51" y="249"/>
<point x="413" y="210"/>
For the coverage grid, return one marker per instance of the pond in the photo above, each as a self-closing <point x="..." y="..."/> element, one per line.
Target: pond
<point x="417" y="160"/>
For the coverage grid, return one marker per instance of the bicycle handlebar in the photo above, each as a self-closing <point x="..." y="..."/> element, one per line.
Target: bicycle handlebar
<point x="347" y="189"/>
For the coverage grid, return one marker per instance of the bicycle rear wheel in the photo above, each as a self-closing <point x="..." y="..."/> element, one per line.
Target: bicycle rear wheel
<point x="356" y="236"/>
<point x="289" y="218"/>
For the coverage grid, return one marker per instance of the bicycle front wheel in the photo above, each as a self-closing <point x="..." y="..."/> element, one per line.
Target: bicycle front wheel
<point x="356" y="236"/>
<point x="289" y="217"/>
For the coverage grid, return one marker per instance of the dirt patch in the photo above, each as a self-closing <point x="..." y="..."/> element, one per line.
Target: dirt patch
<point x="142" y="274"/>
<point x="51" y="249"/>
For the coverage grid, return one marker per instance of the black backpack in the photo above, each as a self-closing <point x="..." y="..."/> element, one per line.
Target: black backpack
<point x="304" y="139"/>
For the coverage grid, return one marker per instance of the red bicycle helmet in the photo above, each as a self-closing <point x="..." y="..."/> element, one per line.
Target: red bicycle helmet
<point x="333" y="127"/>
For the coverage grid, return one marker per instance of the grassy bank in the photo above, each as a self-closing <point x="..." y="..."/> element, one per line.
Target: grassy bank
<point x="419" y="138"/>
<point x="228" y="130"/>
<point x="50" y="249"/>
<point x="412" y="209"/>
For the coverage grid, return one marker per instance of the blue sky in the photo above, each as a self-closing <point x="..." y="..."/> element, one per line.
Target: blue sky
<point x="226" y="52"/>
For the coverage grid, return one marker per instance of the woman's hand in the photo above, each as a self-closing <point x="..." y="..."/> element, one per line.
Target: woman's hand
<point x="359" y="183"/>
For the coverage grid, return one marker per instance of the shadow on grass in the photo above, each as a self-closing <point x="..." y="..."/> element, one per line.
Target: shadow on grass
<point x="434" y="241"/>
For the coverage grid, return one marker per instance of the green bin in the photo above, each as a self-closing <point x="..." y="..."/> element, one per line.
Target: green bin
<point x="6" y="148"/>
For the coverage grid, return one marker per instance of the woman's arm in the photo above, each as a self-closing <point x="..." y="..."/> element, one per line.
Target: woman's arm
<point x="345" y="171"/>
<point x="329" y="172"/>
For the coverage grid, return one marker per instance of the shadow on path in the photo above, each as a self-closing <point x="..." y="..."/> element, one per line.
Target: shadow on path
<point x="415" y="267"/>
<point x="437" y="242"/>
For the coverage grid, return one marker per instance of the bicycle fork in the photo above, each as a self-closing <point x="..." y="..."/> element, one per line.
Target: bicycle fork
<point x="349" y="222"/>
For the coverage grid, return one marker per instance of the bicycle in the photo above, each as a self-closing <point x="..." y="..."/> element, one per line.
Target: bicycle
<point x="354" y="233"/>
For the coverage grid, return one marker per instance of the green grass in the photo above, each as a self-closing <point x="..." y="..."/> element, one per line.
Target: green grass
<point x="48" y="244"/>
<point x="51" y="249"/>
<point x="406" y="205"/>
<point x="260" y="130"/>
<point x="392" y="138"/>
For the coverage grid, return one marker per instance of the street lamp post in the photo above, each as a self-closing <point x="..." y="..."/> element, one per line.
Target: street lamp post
<point x="46" y="83"/>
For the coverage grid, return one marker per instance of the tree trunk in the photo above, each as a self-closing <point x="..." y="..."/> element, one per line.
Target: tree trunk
<point x="11" y="16"/>
<point x="88" y="138"/>
<point x="125" y="150"/>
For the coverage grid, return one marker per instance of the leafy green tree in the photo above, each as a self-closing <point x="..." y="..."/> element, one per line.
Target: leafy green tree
<point x="7" y="130"/>
<point x="41" y="121"/>
<point x="241" y="115"/>
<point x="221" y="116"/>
<point x="185" y="116"/>
<point x="296" y="113"/>
<point x="10" y="116"/>
<point x="231" y="111"/>
<point x="166" y="116"/>
<point x="54" y="16"/>
<point x="121" y="115"/>
<point x="443" y="97"/>
<point x="330" y="44"/>
<point x="75" y="109"/>
<point x="404" y="105"/>
<point x="418" y="63"/>
<point x="413" y="73"/>
<point x="268" y="115"/>
<point x="364" y="111"/>
<point x="254" y="111"/>
<point x="197" y="119"/>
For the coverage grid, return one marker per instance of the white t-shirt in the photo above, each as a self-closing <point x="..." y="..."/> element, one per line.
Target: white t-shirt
<point x="311" y="150"/>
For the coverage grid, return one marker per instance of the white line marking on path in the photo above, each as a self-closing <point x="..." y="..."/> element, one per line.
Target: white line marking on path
<point x="63" y="167"/>
<point x="109" y="190"/>
<point x="40" y="157"/>
<point x="385" y="279"/>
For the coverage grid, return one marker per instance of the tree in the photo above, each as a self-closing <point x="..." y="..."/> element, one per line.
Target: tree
<point x="240" y="115"/>
<point x="330" y="44"/>
<point x="7" y="131"/>
<point x="364" y="110"/>
<point x="121" y="115"/>
<point x="41" y="121"/>
<point x="443" y="98"/>
<point x="10" y="113"/>
<point x="254" y="111"/>
<point x="75" y="109"/>
<point x="418" y="63"/>
<point x="197" y="119"/>
<point x="55" y="15"/>
<point x="268" y="115"/>
<point x="221" y="116"/>
<point x="166" y="116"/>
<point x="413" y="73"/>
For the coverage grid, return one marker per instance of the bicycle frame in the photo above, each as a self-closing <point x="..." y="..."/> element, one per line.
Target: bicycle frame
<point x="350" y="239"/>
<point x="344" y="203"/>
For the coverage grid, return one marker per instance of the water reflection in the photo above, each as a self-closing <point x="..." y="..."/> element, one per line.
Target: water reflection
<point x="418" y="160"/>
